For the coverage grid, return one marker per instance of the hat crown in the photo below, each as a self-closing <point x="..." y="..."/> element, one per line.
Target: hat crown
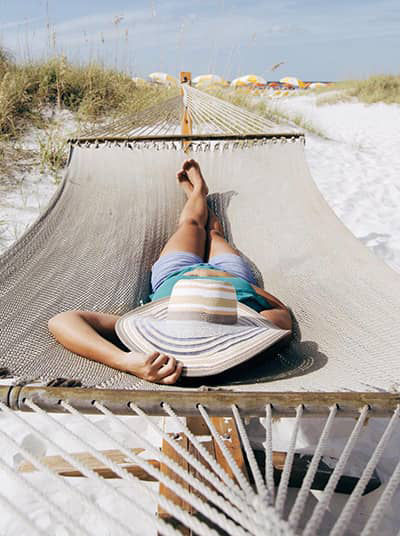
<point x="207" y="300"/>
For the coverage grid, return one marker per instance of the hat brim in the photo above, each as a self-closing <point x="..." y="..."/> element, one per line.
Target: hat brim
<point x="204" y="349"/>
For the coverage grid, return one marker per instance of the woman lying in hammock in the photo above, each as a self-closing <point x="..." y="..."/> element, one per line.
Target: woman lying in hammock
<point x="198" y="307"/>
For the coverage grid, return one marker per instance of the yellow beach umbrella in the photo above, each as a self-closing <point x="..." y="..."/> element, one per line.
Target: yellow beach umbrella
<point x="249" y="80"/>
<point x="254" y="80"/>
<point x="163" y="78"/>
<point x="292" y="81"/>
<point x="209" y="80"/>
<point x="238" y="82"/>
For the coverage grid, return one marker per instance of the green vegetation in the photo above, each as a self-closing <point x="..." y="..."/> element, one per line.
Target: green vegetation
<point x="378" y="88"/>
<point x="92" y="91"/>
<point x="30" y="92"/>
<point x="53" y="153"/>
<point x="332" y="97"/>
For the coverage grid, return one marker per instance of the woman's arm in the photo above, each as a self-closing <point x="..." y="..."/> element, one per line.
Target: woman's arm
<point x="279" y="314"/>
<point x="92" y="335"/>
<point x="269" y="297"/>
<point x="279" y="317"/>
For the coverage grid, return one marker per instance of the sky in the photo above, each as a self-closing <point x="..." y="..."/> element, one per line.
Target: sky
<point x="317" y="40"/>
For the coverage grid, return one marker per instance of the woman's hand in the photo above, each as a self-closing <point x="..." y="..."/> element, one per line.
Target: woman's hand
<point x="155" y="367"/>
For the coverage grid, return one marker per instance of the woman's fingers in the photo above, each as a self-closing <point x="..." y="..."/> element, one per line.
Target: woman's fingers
<point x="162" y="368"/>
<point x="160" y="361"/>
<point x="167" y="368"/>
<point x="150" y="358"/>
<point x="173" y="378"/>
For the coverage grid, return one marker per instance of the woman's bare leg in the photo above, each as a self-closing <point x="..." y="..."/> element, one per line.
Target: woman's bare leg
<point x="191" y="234"/>
<point x="216" y="243"/>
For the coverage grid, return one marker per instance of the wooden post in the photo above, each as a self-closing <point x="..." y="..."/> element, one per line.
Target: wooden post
<point x="166" y="492"/>
<point x="186" y="123"/>
<point x="226" y="427"/>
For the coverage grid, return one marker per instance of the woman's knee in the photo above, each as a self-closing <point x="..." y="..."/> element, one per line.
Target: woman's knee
<point x="191" y="222"/>
<point x="216" y="233"/>
<point x="59" y="320"/>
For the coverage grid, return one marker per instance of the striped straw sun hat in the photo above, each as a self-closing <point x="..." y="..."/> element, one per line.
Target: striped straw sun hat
<point x="201" y="324"/>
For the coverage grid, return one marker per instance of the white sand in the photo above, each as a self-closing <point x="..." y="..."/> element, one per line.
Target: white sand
<point x="357" y="169"/>
<point x="22" y="204"/>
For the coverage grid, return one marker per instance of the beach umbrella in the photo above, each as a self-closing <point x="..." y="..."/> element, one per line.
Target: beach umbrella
<point x="163" y="78"/>
<point x="317" y="84"/>
<point x="139" y="81"/>
<point x="249" y="80"/>
<point x="209" y="80"/>
<point x="292" y="80"/>
<point x="238" y="82"/>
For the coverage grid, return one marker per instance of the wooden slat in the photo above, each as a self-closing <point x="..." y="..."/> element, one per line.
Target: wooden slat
<point x="58" y="465"/>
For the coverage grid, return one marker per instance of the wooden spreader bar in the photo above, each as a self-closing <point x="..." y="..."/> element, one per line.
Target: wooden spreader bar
<point x="216" y="402"/>
<point x="190" y="137"/>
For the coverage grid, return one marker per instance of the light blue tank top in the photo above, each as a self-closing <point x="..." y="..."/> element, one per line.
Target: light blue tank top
<point x="244" y="291"/>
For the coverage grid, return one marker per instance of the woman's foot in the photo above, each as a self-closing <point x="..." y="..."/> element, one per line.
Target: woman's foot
<point x="190" y="177"/>
<point x="184" y="181"/>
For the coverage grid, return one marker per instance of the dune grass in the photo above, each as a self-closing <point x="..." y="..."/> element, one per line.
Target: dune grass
<point x="30" y="92"/>
<point x="92" y="91"/>
<point x="377" y="88"/>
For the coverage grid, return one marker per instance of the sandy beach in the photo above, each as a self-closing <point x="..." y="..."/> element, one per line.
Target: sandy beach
<point x="355" y="162"/>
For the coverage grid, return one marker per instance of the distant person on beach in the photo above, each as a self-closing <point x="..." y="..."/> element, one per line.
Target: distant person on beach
<point x="196" y="252"/>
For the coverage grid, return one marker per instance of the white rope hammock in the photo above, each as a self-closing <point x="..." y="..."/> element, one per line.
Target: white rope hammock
<point x="208" y="115"/>
<point x="207" y="495"/>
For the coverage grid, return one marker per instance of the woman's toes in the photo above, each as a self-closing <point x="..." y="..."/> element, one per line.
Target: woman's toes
<point x="181" y="175"/>
<point x="187" y="164"/>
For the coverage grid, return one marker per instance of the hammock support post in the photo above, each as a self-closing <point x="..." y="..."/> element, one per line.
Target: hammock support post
<point x="186" y="124"/>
